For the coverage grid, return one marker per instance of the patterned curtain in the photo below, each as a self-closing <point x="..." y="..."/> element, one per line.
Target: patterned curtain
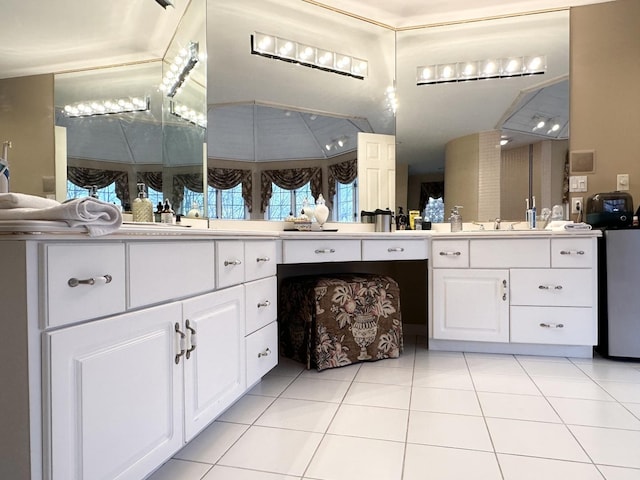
<point x="430" y="189"/>
<point x="150" y="179"/>
<point x="101" y="178"/>
<point x="344" y="172"/>
<point x="226" y="178"/>
<point x="193" y="181"/>
<point x="290" y="179"/>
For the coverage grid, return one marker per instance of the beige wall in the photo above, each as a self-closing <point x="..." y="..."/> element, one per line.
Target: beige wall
<point x="27" y="120"/>
<point x="472" y="176"/>
<point x="605" y="91"/>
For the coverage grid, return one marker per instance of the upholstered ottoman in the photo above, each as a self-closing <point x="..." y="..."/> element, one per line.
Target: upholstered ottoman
<point x="328" y="322"/>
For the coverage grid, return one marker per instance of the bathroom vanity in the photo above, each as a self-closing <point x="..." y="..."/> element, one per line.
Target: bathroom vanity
<point x="118" y="350"/>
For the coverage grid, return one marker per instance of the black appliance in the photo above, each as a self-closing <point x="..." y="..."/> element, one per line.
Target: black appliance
<point x="609" y="210"/>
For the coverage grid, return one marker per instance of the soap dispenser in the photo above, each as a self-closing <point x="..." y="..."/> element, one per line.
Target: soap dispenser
<point x="456" y="219"/>
<point x="142" y="208"/>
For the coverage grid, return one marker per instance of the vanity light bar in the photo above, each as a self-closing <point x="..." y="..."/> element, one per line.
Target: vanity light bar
<point x="178" y="71"/>
<point x="107" y="107"/>
<point x="291" y="51"/>
<point x="188" y="114"/>
<point x="481" y="69"/>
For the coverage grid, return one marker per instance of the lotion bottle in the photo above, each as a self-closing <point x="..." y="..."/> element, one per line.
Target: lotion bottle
<point x="142" y="208"/>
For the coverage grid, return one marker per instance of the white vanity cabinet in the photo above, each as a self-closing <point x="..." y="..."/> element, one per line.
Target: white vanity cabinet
<point x="113" y="377"/>
<point x="536" y="294"/>
<point x="471" y="304"/>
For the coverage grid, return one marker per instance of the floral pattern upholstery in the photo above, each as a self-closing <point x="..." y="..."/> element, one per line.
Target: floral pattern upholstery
<point x="328" y="322"/>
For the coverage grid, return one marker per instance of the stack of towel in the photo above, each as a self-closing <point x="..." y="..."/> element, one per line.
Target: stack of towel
<point x="98" y="217"/>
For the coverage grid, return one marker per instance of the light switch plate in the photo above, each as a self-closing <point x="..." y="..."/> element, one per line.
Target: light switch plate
<point x="622" y="182"/>
<point x="578" y="183"/>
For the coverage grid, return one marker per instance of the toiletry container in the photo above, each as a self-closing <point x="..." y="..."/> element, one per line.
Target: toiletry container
<point x="456" y="219"/>
<point x="321" y="211"/>
<point x="383" y="220"/>
<point x="195" y="211"/>
<point x="4" y="168"/>
<point x="167" y="213"/>
<point x="142" y="208"/>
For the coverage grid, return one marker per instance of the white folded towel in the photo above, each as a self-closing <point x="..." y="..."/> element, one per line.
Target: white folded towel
<point x="98" y="217"/>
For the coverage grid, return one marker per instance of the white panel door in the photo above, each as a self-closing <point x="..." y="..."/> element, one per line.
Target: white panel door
<point x="471" y="305"/>
<point x="376" y="171"/>
<point x="214" y="372"/>
<point x="115" y="396"/>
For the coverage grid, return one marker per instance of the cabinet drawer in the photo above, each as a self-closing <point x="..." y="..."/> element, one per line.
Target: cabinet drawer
<point x="229" y="263"/>
<point x="164" y="271"/>
<point x="552" y="287"/>
<point x="572" y="252"/>
<point x="261" y="305"/>
<point x="320" y="251"/>
<point x="450" y="254"/>
<point x="262" y="352"/>
<point x="104" y="263"/>
<point x="392" y="249"/>
<point x="509" y="253"/>
<point x="552" y="325"/>
<point x="260" y="260"/>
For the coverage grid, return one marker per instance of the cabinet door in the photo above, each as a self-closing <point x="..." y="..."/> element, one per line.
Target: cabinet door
<point x="471" y="305"/>
<point x="215" y="370"/>
<point x="115" y="396"/>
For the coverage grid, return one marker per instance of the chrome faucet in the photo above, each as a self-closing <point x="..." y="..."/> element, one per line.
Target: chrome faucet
<point x="496" y="224"/>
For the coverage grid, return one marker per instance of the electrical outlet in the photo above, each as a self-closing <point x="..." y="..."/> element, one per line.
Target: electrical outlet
<point x="576" y="204"/>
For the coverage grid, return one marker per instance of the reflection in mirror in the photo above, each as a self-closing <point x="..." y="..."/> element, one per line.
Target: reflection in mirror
<point x="261" y="109"/>
<point x="106" y="148"/>
<point x="184" y="85"/>
<point x="461" y="124"/>
<point x="115" y="150"/>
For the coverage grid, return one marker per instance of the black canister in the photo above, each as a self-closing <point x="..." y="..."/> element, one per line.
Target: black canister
<point x="367" y="217"/>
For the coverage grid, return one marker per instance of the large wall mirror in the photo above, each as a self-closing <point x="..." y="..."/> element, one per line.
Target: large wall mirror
<point x="265" y="114"/>
<point x="456" y="128"/>
<point x="122" y="128"/>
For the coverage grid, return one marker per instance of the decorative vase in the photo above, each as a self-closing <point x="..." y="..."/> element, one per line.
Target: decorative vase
<point x="364" y="330"/>
<point x="321" y="211"/>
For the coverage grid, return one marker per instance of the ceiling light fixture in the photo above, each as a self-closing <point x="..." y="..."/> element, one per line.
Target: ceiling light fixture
<point x="178" y="72"/>
<point x="107" y="107"/>
<point x="481" y="69"/>
<point x="290" y="51"/>
<point x="188" y="114"/>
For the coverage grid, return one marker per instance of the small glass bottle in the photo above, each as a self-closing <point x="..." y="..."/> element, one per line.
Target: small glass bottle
<point x="456" y="219"/>
<point x="167" y="213"/>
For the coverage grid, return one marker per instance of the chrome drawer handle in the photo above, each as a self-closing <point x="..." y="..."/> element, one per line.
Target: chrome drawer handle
<point x="552" y="325"/>
<point x="193" y="339"/>
<point x="103" y="280"/>
<point x="181" y="343"/>
<point x="549" y="287"/>
<point x="395" y="249"/>
<point x="266" y="303"/>
<point x="232" y="262"/>
<point x="571" y="252"/>
<point x="457" y="254"/>
<point x="265" y="353"/>
<point x="325" y="250"/>
<point x="263" y="259"/>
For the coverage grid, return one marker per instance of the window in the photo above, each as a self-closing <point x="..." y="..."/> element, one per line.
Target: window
<point x="106" y="194"/>
<point x="345" y="202"/>
<point x="227" y="204"/>
<point x="284" y="202"/>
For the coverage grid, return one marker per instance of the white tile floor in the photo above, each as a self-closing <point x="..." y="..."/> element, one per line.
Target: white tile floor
<point x="436" y="415"/>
